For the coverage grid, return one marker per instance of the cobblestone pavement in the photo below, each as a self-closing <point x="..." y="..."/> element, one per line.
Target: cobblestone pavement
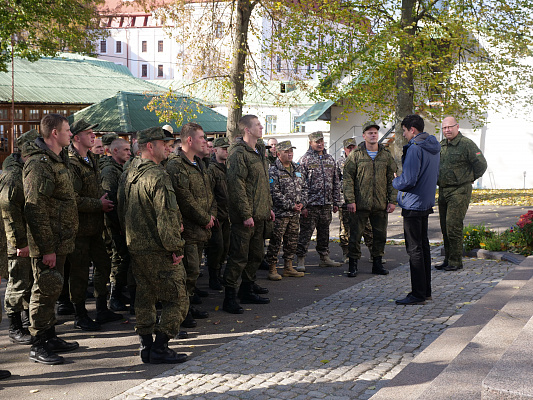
<point x="342" y="347"/>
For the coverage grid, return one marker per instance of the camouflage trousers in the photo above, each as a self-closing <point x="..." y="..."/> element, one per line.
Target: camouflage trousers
<point x="344" y="231"/>
<point x="246" y="250"/>
<point x="285" y="230"/>
<point x="47" y="285"/>
<point x="88" y="249"/>
<point x="218" y="246"/>
<point x="19" y="283"/>
<point x="453" y="204"/>
<point x="121" y="274"/>
<point x="193" y="253"/>
<point x="358" y="223"/>
<point x="318" y="217"/>
<point x="158" y="280"/>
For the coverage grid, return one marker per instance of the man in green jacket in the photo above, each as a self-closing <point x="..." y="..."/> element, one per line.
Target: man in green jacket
<point x="368" y="192"/>
<point x="461" y="163"/>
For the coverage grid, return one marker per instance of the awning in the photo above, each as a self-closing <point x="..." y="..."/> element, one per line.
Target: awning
<point x="321" y="110"/>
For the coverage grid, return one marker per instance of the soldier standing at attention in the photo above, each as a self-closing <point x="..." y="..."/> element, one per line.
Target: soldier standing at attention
<point x="20" y="280"/>
<point x="461" y="163"/>
<point x="323" y="183"/>
<point x="92" y="203"/>
<point x="152" y="226"/>
<point x="218" y="246"/>
<point x="288" y="190"/>
<point x="250" y="210"/>
<point x="52" y="217"/>
<point x="369" y="195"/>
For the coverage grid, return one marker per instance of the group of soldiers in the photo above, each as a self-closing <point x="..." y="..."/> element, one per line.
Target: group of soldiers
<point x="143" y="215"/>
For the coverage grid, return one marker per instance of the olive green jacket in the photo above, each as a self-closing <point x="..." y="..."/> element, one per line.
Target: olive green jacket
<point x="248" y="182"/>
<point x="461" y="161"/>
<point x="86" y="181"/>
<point x="110" y="173"/>
<point x="217" y="173"/>
<point x="367" y="182"/>
<point x="50" y="201"/>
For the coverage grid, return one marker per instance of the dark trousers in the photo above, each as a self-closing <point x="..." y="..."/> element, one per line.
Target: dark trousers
<point x="358" y="222"/>
<point x="415" y="228"/>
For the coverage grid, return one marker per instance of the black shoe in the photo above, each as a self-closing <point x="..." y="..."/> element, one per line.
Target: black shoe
<point x="441" y="266"/>
<point x="201" y="293"/>
<point x="182" y="335"/>
<point x="230" y="302"/>
<point x="41" y="352"/>
<point x="452" y="268"/>
<point x="258" y="289"/>
<point x="146" y="346"/>
<point x="107" y="316"/>
<point x="377" y="267"/>
<point x="65" y="308"/>
<point x="86" y="324"/>
<point x="189" y="321"/>
<point x="161" y="354"/>
<point x="410" y="300"/>
<point x="352" y="268"/>
<point x="214" y="284"/>
<point x="198" y="314"/>
<point x="252" y="298"/>
<point x="195" y="299"/>
<point x="58" y="345"/>
<point x="4" y="374"/>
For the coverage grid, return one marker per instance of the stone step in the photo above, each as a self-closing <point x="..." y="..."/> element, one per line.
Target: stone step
<point x="454" y="365"/>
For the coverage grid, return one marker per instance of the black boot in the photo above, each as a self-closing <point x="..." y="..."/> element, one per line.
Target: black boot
<point x="377" y="267"/>
<point x="82" y="320"/>
<point x="25" y="318"/>
<point x="133" y="291"/>
<point x="249" y="297"/>
<point x="161" y="354"/>
<point x="198" y="314"/>
<point x="146" y="346"/>
<point x="64" y="306"/>
<point x="352" y="268"/>
<point x="230" y="301"/>
<point x="189" y="321"/>
<point x="17" y="333"/>
<point x="255" y="289"/>
<point x="200" y="292"/>
<point x="115" y="302"/>
<point x="214" y="283"/>
<point x="442" y="266"/>
<point x="42" y="353"/>
<point x="103" y="314"/>
<point x="59" y="345"/>
<point x="4" y="374"/>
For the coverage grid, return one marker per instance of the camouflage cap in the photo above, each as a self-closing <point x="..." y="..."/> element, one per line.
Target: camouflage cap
<point x="81" y="125"/>
<point x="151" y="134"/>
<point x="349" y="142"/>
<point x="316" y="136"/>
<point x="108" y="138"/>
<point x="370" y="124"/>
<point x="285" y="145"/>
<point x="221" y="142"/>
<point x="27" y="137"/>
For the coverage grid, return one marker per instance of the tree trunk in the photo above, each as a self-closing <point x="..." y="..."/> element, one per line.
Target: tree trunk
<point x="238" y="66"/>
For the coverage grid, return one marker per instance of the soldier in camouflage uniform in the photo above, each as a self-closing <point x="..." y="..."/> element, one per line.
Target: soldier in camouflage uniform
<point x="3" y="273"/>
<point x="461" y="163"/>
<point x="323" y="183"/>
<point x="98" y="148"/>
<point x="272" y="153"/>
<point x="250" y="211"/>
<point x="20" y="279"/>
<point x="289" y="190"/>
<point x="148" y="206"/>
<point x="368" y="192"/>
<point x="52" y="217"/>
<point x="218" y="245"/>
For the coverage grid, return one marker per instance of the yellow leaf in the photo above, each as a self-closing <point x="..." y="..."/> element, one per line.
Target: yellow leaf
<point x="232" y="330"/>
<point x="324" y="361"/>
<point x="34" y="390"/>
<point x="217" y="308"/>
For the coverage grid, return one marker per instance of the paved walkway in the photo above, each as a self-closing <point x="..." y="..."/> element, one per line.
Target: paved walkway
<point x="341" y="347"/>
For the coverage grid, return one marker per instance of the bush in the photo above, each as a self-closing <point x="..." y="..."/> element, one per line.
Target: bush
<point x="474" y="235"/>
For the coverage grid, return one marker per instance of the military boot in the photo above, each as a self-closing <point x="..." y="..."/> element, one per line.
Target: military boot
<point x="249" y="296"/>
<point x="230" y="301"/>
<point x="189" y="321"/>
<point x="146" y="346"/>
<point x="42" y="353"/>
<point x="64" y="305"/>
<point x="17" y="334"/>
<point x="273" y="272"/>
<point x="83" y="321"/>
<point x="325" y="261"/>
<point x="377" y="267"/>
<point x="115" y="302"/>
<point x="58" y="345"/>
<point x="214" y="282"/>
<point x="352" y="267"/>
<point x="301" y="264"/>
<point x="4" y="374"/>
<point x="103" y="314"/>
<point x="161" y="354"/>
<point x="289" y="271"/>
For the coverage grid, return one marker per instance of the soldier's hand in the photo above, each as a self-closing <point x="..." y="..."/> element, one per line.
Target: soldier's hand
<point x="298" y="207"/>
<point x="176" y="260"/>
<point x="50" y="260"/>
<point x="351" y="207"/>
<point x="107" y="205"/>
<point x="25" y="252"/>
<point x="305" y="212"/>
<point x="211" y="223"/>
<point x="391" y="207"/>
<point x="249" y="223"/>
<point x="272" y="215"/>
<point x="217" y="223"/>
<point x="335" y="209"/>
<point x="181" y="228"/>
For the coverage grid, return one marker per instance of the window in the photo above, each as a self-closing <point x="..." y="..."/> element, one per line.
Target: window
<point x="219" y="30"/>
<point x="118" y="47"/>
<point x="62" y="112"/>
<point x="297" y="126"/>
<point x="160" y="46"/>
<point x="278" y="64"/>
<point x="19" y="114"/>
<point x="144" y="46"/>
<point x="144" y="70"/>
<point x="160" y="71"/>
<point x="103" y="46"/>
<point x="34" y="114"/>
<point x="47" y="112"/>
<point x="4" y="114"/>
<point x="271" y="122"/>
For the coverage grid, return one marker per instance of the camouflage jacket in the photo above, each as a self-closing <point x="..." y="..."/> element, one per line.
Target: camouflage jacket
<point x="323" y="182"/>
<point x="248" y="182"/>
<point x="194" y="194"/>
<point x="86" y="182"/>
<point x="367" y="182"/>
<point x="461" y="161"/>
<point x="12" y="203"/>
<point x="121" y="206"/>
<point x="3" y="254"/>
<point x="217" y="173"/>
<point x="148" y="201"/>
<point x="287" y="189"/>
<point x="271" y="158"/>
<point x="110" y="173"/>
<point x="50" y="201"/>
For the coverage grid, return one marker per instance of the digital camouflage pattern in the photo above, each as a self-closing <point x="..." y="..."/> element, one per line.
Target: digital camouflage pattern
<point x="110" y="173"/>
<point x="288" y="188"/>
<point x="285" y="231"/>
<point x="320" y="174"/>
<point x="318" y="217"/>
<point x="217" y="174"/>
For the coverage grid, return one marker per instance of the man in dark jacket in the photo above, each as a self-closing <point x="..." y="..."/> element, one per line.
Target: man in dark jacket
<point x="416" y="196"/>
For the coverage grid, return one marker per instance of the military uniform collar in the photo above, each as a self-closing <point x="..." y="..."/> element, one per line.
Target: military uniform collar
<point x="62" y="157"/>
<point x="455" y="141"/>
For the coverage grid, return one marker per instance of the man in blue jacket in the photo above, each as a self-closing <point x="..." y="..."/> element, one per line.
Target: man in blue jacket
<point x="416" y="196"/>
